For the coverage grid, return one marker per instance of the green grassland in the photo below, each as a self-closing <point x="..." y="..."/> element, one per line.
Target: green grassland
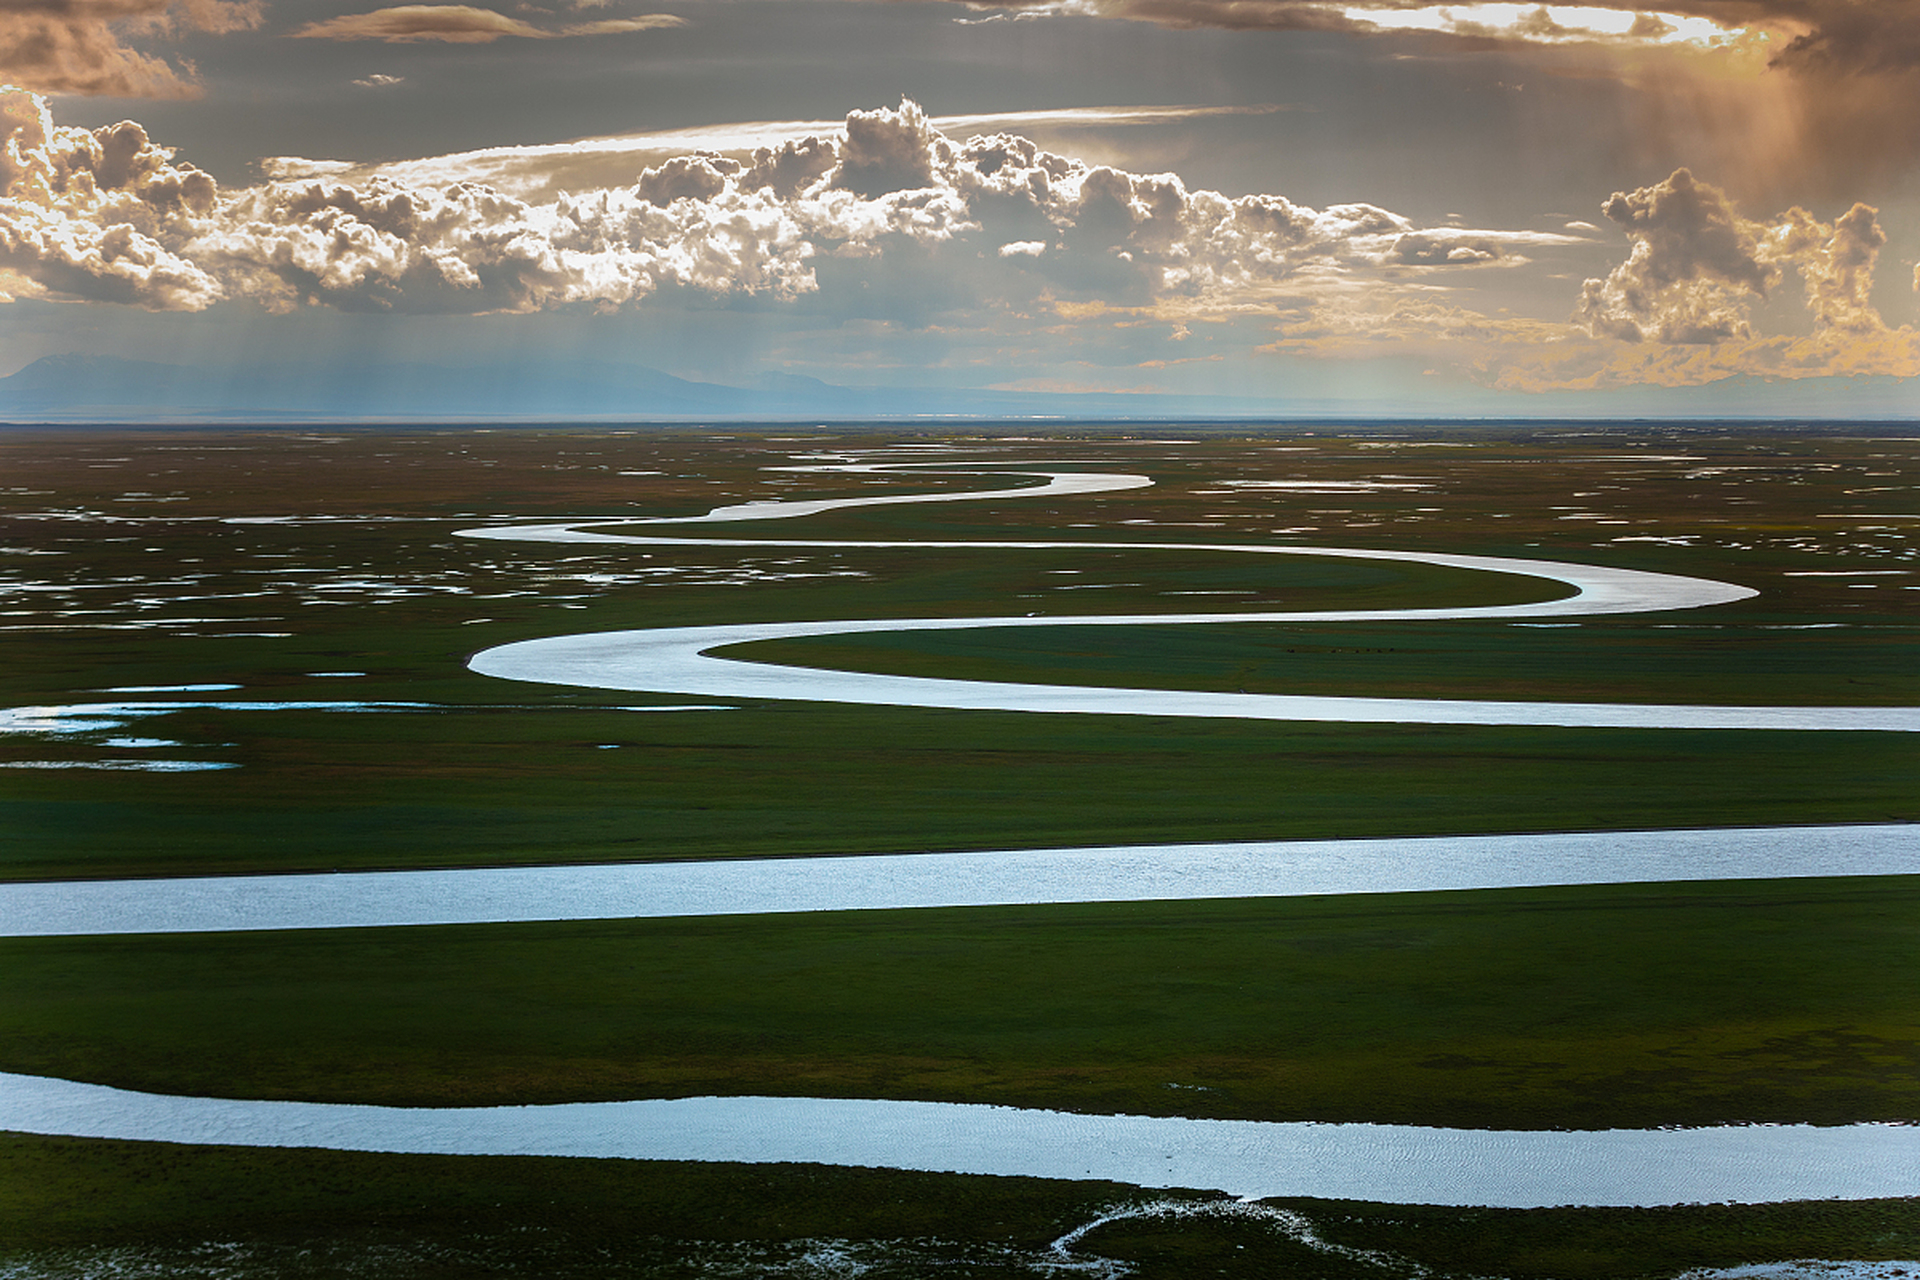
<point x="304" y="1215"/>
<point x="1594" y="660"/>
<point x="1632" y="1005"/>
<point x="1579" y="1007"/>
<point x="373" y="581"/>
<point x="321" y="791"/>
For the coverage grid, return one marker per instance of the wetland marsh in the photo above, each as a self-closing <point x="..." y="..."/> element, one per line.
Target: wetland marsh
<point x="143" y="568"/>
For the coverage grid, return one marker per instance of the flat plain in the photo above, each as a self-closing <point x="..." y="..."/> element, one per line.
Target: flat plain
<point x="243" y="651"/>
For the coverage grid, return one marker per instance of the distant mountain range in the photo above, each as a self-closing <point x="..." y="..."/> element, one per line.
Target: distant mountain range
<point x="82" y="388"/>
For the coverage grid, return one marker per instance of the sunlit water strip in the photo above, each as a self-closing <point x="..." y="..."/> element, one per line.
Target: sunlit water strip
<point x="682" y="659"/>
<point x="679" y="660"/>
<point x="1392" y="1163"/>
<point x="1283" y="868"/>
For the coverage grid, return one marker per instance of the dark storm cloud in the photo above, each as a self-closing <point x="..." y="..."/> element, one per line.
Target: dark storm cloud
<point x="1801" y="94"/>
<point x="1859" y="35"/>
<point x="1876" y="36"/>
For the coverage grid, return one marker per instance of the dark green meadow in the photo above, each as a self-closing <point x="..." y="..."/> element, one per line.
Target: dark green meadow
<point x="80" y="1207"/>
<point x="1596" y="660"/>
<point x="333" y="790"/>
<point x="1627" y="1006"/>
<point x="309" y="566"/>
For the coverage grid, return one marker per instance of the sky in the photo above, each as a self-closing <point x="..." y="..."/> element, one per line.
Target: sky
<point x="1377" y="206"/>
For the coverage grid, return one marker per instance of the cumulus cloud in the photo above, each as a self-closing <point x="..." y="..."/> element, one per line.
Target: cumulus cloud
<point x="465" y="24"/>
<point x="1676" y="312"/>
<point x="1696" y="266"/>
<point x="538" y="172"/>
<point x="94" y="214"/>
<point x="1692" y="267"/>
<point x="1835" y="263"/>
<point x="889" y="220"/>
<point x="994" y="221"/>
<point x="81" y="46"/>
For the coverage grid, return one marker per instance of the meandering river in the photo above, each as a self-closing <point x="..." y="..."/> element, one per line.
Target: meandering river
<point x="1248" y="1158"/>
<point x="683" y="660"/>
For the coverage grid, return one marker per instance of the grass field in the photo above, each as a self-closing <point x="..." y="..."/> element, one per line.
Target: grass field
<point x="81" y="1207"/>
<point x="319" y="790"/>
<point x="1595" y="660"/>
<point x="1630" y="1006"/>
<point x="276" y="561"/>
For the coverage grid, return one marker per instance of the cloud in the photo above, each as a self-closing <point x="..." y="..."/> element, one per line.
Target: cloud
<point x="1099" y="117"/>
<point x="1696" y="266"/>
<point x="618" y="26"/>
<point x="1700" y="22"/>
<point x="464" y="24"/>
<point x="1836" y="265"/>
<point x="93" y="215"/>
<point x="1798" y="94"/>
<point x="1525" y="355"/>
<point x="284" y="168"/>
<point x="889" y="151"/>
<point x="1676" y="312"/>
<point x="539" y="172"/>
<point x="1365" y="327"/>
<point x="1692" y="266"/>
<point x="377" y="81"/>
<point x="80" y="46"/>
<point x="890" y="223"/>
<point x="886" y="216"/>
<point x="1851" y="38"/>
<point x="1575" y="365"/>
<point x="1852" y="83"/>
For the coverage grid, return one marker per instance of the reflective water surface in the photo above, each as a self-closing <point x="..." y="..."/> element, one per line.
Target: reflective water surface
<point x="753" y="886"/>
<point x="1253" y="1159"/>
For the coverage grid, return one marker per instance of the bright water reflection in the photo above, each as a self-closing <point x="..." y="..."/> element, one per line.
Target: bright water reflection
<point x="1399" y="1164"/>
<point x="754" y="886"/>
